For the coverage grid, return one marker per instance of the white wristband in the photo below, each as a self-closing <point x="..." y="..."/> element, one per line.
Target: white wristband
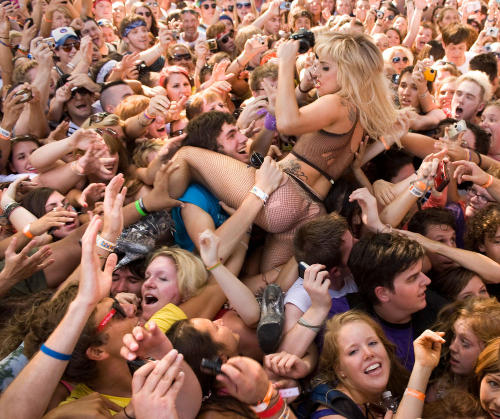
<point x="5" y="133"/>
<point x="259" y="193"/>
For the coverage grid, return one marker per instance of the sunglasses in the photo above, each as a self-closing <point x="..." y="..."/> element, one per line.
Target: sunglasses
<point x="70" y="46"/>
<point x="181" y="57"/>
<point x="227" y="36"/>
<point x="109" y="131"/>
<point x="147" y="14"/>
<point x="98" y="117"/>
<point x="398" y="59"/>
<point x="152" y="4"/>
<point x="116" y="310"/>
<point x="208" y="6"/>
<point x="245" y="5"/>
<point x="80" y="90"/>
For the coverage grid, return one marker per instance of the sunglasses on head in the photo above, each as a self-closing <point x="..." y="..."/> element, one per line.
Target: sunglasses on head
<point x="69" y="47"/>
<point x="116" y="310"/>
<point x="241" y="5"/>
<point x="193" y="12"/>
<point x="208" y="6"/>
<point x="109" y="131"/>
<point x="227" y="36"/>
<point x="181" y="57"/>
<point x="147" y="14"/>
<point x="98" y="117"/>
<point x="398" y="59"/>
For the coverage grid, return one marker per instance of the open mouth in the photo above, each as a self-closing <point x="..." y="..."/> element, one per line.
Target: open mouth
<point x="494" y="413"/>
<point x="458" y="111"/>
<point x="149" y="299"/>
<point x="374" y="368"/>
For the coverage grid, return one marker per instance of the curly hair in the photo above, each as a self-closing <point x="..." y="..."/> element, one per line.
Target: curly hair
<point x="482" y="225"/>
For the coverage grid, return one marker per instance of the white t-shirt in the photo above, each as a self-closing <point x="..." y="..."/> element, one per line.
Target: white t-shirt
<point x="202" y="36"/>
<point x="298" y="296"/>
<point x="465" y="66"/>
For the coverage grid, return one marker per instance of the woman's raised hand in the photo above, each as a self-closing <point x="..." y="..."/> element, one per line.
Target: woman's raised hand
<point x="287" y="51"/>
<point x="469" y="171"/>
<point x="269" y="176"/>
<point x="95" y="283"/>
<point x="114" y="196"/>
<point x="144" y="342"/>
<point x="209" y="246"/>
<point x="427" y="348"/>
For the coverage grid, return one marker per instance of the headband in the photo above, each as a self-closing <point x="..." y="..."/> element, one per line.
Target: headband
<point x="132" y="25"/>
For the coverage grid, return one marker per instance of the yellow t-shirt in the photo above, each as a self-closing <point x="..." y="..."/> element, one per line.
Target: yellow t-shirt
<point x="167" y="316"/>
<point x="81" y="390"/>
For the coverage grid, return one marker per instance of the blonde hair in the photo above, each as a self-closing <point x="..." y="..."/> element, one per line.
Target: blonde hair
<point x="237" y="20"/>
<point x="389" y="53"/>
<point x="131" y="106"/>
<point x="361" y="78"/>
<point x="191" y="273"/>
<point x="481" y="79"/>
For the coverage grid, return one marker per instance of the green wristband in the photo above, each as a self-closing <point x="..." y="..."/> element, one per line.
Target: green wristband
<point x="139" y="209"/>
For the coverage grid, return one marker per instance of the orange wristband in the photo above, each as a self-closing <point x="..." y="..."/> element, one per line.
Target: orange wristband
<point x="415" y="393"/>
<point x="382" y="140"/>
<point x="27" y="232"/>
<point x="488" y="184"/>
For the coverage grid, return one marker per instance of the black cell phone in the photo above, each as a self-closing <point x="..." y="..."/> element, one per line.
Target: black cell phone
<point x="211" y="366"/>
<point x="302" y="268"/>
<point x="134" y="365"/>
<point x="256" y="159"/>
<point x="28" y="22"/>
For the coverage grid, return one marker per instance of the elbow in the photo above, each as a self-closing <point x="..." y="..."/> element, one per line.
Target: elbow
<point x="284" y="126"/>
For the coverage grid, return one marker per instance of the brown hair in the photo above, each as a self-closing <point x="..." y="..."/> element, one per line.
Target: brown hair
<point x="455" y="34"/>
<point x="451" y="282"/>
<point x="482" y="225"/>
<point x="489" y="360"/>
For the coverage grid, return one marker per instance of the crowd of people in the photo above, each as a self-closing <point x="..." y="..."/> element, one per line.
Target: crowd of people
<point x="250" y="209"/>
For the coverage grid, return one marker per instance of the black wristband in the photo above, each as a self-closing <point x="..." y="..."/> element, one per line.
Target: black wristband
<point x="480" y="160"/>
<point x="141" y="204"/>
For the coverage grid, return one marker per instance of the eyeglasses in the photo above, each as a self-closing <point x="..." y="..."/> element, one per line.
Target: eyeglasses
<point x="181" y="57"/>
<point x="227" y="36"/>
<point x="70" y="46"/>
<point x="98" y="117"/>
<point x="245" y="5"/>
<point x="147" y="14"/>
<point x="116" y="309"/>
<point x="398" y="59"/>
<point x="481" y="198"/>
<point x="208" y="6"/>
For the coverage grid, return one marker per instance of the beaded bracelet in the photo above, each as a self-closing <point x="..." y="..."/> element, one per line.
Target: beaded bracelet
<point x="105" y="244"/>
<point x="9" y="209"/>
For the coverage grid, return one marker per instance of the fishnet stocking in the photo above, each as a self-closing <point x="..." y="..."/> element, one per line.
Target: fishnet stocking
<point x="230" y="180"/>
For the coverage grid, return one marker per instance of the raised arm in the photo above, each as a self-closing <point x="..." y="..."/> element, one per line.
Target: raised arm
<point x="25" y="396"/>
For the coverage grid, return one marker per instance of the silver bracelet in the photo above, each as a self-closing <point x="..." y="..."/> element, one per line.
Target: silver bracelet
<point x="305" y="323"/>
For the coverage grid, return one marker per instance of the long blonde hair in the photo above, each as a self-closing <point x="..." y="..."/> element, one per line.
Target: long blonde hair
<point x="361" y="78"/>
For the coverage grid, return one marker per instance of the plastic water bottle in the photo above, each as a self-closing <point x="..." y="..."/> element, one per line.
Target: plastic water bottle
<point x="390" y="402"/>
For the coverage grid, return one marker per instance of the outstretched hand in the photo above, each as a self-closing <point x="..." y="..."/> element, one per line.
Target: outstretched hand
<point x="95" y="283"/>
<point x="209" y="246"/>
